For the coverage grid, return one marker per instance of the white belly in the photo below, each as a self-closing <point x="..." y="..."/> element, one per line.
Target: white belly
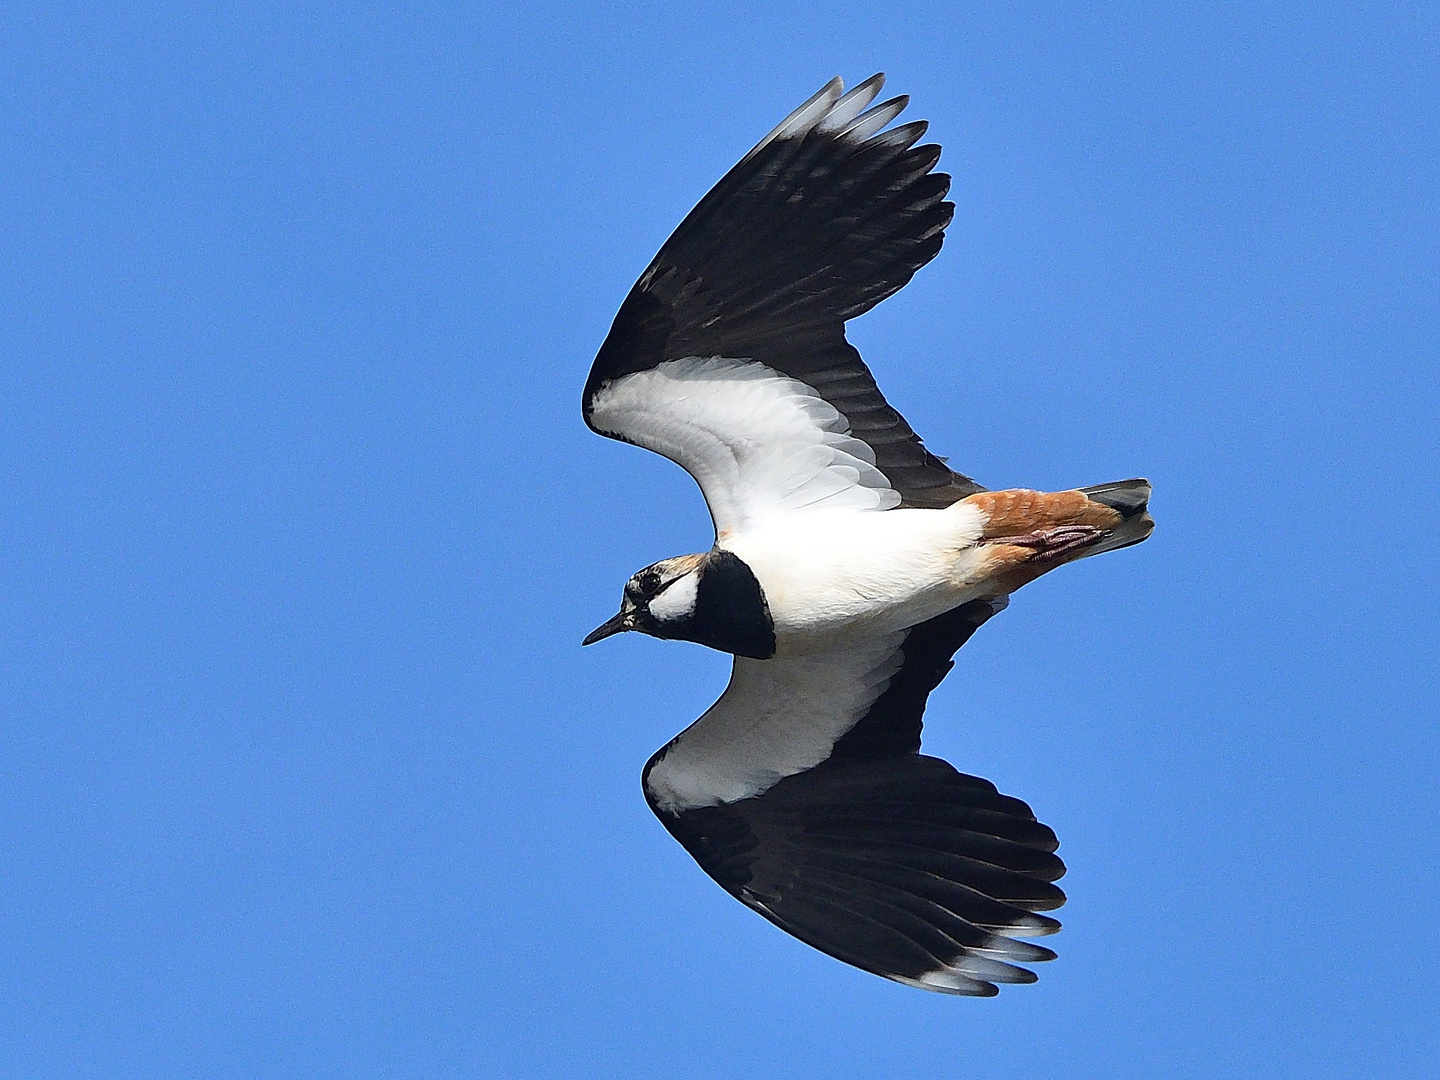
<point x="830" y="572"/>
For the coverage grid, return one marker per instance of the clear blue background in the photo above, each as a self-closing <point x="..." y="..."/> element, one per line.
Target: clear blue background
<point x="302" y="770"/>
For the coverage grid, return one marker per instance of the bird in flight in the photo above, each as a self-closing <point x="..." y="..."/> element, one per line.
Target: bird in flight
<point x="849" y="562"/>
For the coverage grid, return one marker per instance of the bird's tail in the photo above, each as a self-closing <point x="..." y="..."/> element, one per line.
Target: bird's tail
<point x="1129" y="498"/>
<point x="1035" y="531"/>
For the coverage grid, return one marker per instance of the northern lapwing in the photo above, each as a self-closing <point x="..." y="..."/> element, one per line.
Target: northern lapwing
<point x="849" y="562"/>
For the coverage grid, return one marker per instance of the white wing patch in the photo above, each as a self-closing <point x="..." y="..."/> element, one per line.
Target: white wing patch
<point x="776" y="718"/>
<point x="757" y="442"/>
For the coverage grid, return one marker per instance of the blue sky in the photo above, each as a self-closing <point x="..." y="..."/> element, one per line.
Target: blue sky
<point x="304" y="771"/>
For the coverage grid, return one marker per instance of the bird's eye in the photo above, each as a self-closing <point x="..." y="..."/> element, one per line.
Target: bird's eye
<point x="649" y="584"/>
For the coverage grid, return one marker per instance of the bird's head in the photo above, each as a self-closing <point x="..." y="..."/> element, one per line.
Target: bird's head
<point x="712" y="599"/>
<point x="659" y="600"/>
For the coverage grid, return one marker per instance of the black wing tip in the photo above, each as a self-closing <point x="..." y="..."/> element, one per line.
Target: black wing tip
<point x="902" y="867"/>
<point x="976" y="971"/>
<point x="971" y="970"/>
<point x="803" y="117"/>
<point x="848" y="117"/>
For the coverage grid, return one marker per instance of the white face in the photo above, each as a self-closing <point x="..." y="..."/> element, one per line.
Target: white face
<point x="677" y="600"/>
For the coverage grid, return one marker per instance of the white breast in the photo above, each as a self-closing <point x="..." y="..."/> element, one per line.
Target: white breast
<point x="830" y="571"/>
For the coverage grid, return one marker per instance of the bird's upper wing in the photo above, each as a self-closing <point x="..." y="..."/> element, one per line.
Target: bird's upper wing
<point x="803" y="793"/>
<point x="729" y="354"/>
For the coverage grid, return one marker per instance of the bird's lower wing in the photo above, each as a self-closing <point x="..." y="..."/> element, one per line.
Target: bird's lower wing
<point x="903" y="867"/>
<point x="802" y="792"/>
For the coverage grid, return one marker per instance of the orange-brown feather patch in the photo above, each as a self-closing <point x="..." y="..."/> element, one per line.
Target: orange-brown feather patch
<point x="687" y="562"/>
<point x="1012" y="566"/>
<point x="1018" y="512"/>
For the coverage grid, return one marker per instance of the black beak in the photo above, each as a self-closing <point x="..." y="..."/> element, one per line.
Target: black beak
<point x="618" y="625"/>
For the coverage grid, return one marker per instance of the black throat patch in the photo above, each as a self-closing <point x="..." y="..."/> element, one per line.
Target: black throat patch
<point x="730" y="609"/>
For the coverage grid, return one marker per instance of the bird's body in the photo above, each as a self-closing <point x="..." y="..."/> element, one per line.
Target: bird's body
<point x="836" y="574"/>
<point x="849" y="563"/>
